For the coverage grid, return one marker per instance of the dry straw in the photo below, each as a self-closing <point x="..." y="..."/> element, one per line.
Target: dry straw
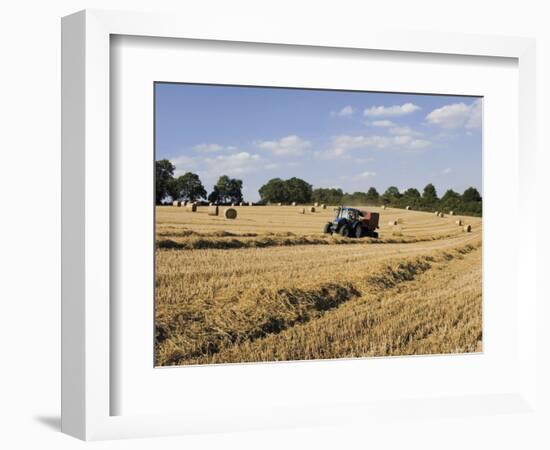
<point x="392" y="223"/>
<point x="176" y="203"/>
<point x="467" y="228"/>
<point x="192" y="207"/>
<point x="230" y="213"/>
<point x="293" y="203"/>
<point x="316" y="204"/>
<point x="213" y="210"/>
<point x="459" y="222"/>
<point x="408" y="207"/>
<point x="323" y="206"/>
<point x="312" y="209"/>
<point x="303" y="211"/>
<point x="249" y="203"/>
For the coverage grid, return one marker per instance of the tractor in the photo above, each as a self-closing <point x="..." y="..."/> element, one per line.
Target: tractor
<point x="352" y="222"/>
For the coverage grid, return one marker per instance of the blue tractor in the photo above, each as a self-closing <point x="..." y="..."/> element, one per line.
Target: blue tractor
<point x="352" y="222"/>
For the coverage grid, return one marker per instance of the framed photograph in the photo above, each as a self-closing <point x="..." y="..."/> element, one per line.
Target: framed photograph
<point x="272" y="228"/>
<point x="253" y="258"/>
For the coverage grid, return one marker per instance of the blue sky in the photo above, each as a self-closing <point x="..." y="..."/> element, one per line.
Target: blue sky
<point x="350" y="140"/>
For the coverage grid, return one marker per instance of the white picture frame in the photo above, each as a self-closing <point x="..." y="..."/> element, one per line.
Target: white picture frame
<point x="87" y="386"/>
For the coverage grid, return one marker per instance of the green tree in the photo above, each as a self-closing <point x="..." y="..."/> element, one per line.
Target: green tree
<point x="372" y="195"/>
<point x="391" y="195"/>
<point x="297" y="190"/>
<point x="412" y="193"/>
<point x="471" y="195"/>
<point x="451" y="200"/>
<point x="411" y="197"/>
<point x="164" y="176"/>
<point x="227" y="190"/>
<point x="274" y="191"/>
<point x="235" y="192"/>
<point x="429" y="196"/>
<point x="329" y="196"/>
<point x="187" y="187"/>
<point x="214" y="196"/>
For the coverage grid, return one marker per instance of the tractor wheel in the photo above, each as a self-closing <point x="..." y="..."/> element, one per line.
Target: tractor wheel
<point x="326" y="228"/>
<point x="344" y="231"/>
<point x="359" y="231"/>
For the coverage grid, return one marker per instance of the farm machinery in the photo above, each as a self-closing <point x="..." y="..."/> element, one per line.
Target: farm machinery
<point x="352" y="222"/>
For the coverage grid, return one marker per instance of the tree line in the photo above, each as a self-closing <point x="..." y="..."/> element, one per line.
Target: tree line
<point x="467" y="203"/>
<point x="229" y="190"/>
<point x="189" y="186"/>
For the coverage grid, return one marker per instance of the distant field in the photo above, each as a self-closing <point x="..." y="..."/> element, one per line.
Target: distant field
<point x="270" y="286"/>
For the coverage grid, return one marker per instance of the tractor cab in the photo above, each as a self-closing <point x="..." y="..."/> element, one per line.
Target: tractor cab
<point x="353" y="222"/>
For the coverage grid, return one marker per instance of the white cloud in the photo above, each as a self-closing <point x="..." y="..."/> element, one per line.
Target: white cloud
<point x="381" y="123"/>
<point x="235" y="157"/>
<point x="457" y="115"/>
<point x="209" y="148"/>
<point x="342" y="145"/>
<point x="475" y="117"/>
<point x="346" y="111"/>
<point x="289" y="145"/>
<point x="213" y="148"/>
<point x="404" y="131"/>
<point x="367" y="174"/>
<point x="235" y="164"/>
<point x="417" y="144"/>
<point x="391" y="111"/>
<point x="211" y="167"/>
<point x="183" y="164"/>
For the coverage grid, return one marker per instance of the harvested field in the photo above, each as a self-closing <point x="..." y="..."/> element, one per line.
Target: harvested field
<point x="270" y="286"/>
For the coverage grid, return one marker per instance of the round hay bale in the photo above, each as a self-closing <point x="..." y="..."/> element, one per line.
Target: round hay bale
<point x="467" y="228"/>
<point x="312" y="209"/>
<point x="279" y="204"/>
<point x="436" y="213"/>
<point x="176" y="203"/>
<point x="293" y="203"/>
<point x="241" y="204"/>
<point x="303" y="211"/>
<point x="232" y="204"/>
<point x="407" y="207"/>
<point x="459" y="222"/>
<point x="383" y="206"/>
<point x="451" y="213"/>
<point x="192" y="207"/>
<point x="316" y="204"/>
<point x="213" y="210"/>
<point x="249" y="203"/>
<point x="441" y="214"/>
<point x="230" y="213"/>
<point x="185" y="203"/>
<point x="392" y="223"/>
<point x="323" y="206"/>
